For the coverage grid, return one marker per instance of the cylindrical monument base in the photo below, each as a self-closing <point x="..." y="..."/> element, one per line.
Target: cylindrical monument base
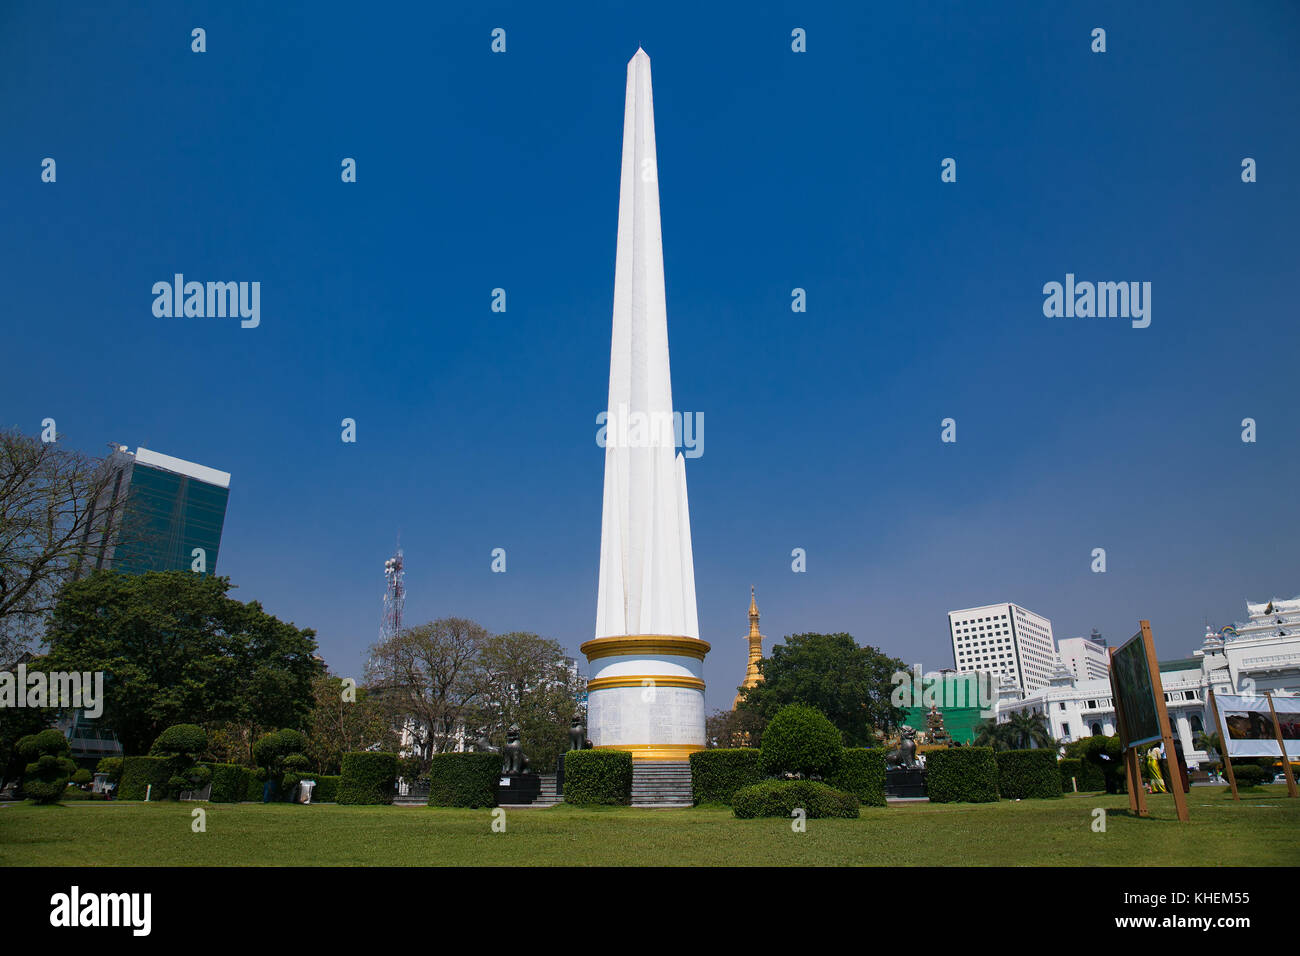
<point x="646" y="695"/>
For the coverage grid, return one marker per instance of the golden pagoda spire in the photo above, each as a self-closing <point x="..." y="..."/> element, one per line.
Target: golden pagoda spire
<point x="755" y="638"/>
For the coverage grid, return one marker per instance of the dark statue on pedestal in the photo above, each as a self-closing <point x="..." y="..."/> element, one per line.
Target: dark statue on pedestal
<point x="903" y="756"/>
<point x="518" y="785"/>
<point x="515" y="762"/>
<point x="904" y="776"/>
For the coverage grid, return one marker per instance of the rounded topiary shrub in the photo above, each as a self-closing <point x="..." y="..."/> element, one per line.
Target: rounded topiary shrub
<point x="862" y="773"/>
<point x="48" y="770"/>
<point x="367" y="778"/>
<point x="179" y="747"/>
<point x="801" y="740"/>
<point x="1028" y="774"/>
<point x="961" y="775"/>
<point x="781" y="798"/>
<point x="180" y="739"/>
<point x="594" y="777"/>
<point x="464" y="780"/>
<point x="717" y="774"/>
<point x="111" y="766"/>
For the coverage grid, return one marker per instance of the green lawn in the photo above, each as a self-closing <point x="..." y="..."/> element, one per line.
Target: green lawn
<point x="1264" y="829"/>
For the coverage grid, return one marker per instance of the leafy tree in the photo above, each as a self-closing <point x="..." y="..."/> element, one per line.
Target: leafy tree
<point x="428" y="680"/>
<point x="47" y="499"/>
<point x="175" y="648"/>
<point x="1209" y="742"/>
<point x="732" y="728"/>
<point x="528" y="682"/>
<point x="1025" y="729"/>
<point x="337" y="726"/>
<point x="49" y="769"/>
<point x="1103" y="752"/>
<point x="450" y="680"/>
<point x="990" y="733"/>
<point x="851" y="685"/>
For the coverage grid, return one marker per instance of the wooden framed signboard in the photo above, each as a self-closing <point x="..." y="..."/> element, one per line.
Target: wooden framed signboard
<point x="1142" y="716"/>
<point x="1258" y="726"/>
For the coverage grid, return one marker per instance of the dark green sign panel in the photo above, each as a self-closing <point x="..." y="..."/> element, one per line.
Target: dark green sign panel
<point x="1132" y="673"/>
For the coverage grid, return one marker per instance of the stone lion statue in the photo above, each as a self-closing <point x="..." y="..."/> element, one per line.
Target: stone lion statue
<point x="577" y="734"/>
<point x="904" y="755"/>
<point x="515" y="761"/>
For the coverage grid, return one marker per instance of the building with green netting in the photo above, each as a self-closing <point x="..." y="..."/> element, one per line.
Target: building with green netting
<point x="957" y="698"/>
<point x="158" y="513"/>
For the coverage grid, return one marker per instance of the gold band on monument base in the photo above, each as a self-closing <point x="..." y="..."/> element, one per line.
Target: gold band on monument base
<point x="645" y="680"/>
<point x="655" y="751"/>
<point x="635" y="645"/>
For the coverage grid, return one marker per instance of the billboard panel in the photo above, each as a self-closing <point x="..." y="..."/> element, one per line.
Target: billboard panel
<point x="1246" y="725"/>
<point x="1132" y="675"/>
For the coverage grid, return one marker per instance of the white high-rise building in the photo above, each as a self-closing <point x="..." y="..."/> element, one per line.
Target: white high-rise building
<point x="1086" y="659"/>
<point x="1004" y="639"/>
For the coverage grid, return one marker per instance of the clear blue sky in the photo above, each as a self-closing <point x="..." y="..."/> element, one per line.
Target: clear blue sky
<point x="817" y="170"/>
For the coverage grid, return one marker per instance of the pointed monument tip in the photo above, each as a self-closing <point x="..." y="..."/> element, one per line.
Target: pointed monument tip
<point x="640" y="54"/>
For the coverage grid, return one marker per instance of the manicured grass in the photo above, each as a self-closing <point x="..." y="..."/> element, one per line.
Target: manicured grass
<point x="1264" y="829"/>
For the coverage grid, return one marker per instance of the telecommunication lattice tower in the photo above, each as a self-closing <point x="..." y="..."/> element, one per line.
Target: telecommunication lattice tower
<point x="394" y="596"/>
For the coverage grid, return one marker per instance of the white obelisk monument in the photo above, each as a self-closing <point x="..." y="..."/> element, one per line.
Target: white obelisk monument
<point x="646" y="692"/>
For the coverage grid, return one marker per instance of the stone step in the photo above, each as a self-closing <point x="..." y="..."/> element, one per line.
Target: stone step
<point x="661" y="785"/>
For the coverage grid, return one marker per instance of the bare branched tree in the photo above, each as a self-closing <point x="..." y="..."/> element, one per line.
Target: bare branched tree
<point x="48" y="497"/>
<point x="428" y="678"/>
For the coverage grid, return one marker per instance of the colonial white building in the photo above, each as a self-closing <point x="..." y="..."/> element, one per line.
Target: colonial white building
<point x="1260" y="655"/>
<point x="1004" y="639"/>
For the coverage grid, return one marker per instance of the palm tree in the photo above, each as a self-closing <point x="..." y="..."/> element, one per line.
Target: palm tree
<point x="990" y="733"/>
<point x="1210" y="743"/>
<point x="1023" y="730"/>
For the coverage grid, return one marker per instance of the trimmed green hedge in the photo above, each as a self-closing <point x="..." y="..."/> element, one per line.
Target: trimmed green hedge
<point x="1247" y="775"/>
<point x="464" y="780"/>
<point x="229" y="782"/>
<point x="1070" y="767"/>
<point x="1028" y="774"/>
<point x="717" y="774"/>
<point x="961" y="775"/>
<point x="862" y="773"/>
<point x="327" y="789"/>
<point x="598" y="777"/>
<point x="801" y="740"/>
<point x="367" y="778"/>
<point x="780" y="798"/>
<point x="138" y="773"/>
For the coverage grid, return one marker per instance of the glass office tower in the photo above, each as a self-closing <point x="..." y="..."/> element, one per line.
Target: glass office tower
<point x="154" y="515"/>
